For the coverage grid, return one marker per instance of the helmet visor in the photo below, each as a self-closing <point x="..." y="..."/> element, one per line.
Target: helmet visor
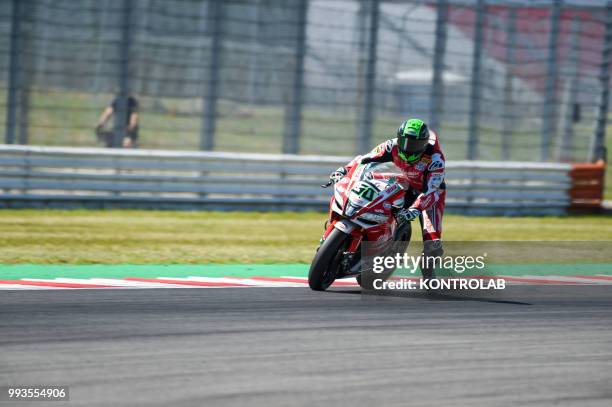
<point x="409" y="145"/>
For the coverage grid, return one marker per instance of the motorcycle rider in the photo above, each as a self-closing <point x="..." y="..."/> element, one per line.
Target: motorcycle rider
<point x="417" y="153"/>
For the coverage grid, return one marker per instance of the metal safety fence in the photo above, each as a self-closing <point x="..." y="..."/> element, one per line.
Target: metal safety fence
<point x="107" y="178"/>
<point x="499" y="79"/>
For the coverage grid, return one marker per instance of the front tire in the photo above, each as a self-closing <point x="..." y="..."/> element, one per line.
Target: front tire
<point x="325" y="264"/>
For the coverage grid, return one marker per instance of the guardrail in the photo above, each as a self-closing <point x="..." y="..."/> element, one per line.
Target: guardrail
<point x="32" y="176"/>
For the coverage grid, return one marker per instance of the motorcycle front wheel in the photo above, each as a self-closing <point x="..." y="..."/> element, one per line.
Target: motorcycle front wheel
<point x="326" y="262"/>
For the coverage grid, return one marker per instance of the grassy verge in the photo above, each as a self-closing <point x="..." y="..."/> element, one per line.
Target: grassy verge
<point x="153" y="237"/>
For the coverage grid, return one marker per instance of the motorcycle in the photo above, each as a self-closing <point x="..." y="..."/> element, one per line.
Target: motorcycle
<point x="362" y="209"/>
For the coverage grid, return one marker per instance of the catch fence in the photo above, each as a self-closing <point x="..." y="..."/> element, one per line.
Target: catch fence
<point x="499" y="79"/>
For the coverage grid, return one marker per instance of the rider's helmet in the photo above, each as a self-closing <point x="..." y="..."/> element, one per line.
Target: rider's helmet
<point x="412" y="139"/>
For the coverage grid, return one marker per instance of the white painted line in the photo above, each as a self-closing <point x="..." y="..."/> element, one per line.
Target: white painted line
<point x="77" y="281"/>
<point x="133" y="284"/>
<point x="243" y="281"/>
<point x="27" y="287"/>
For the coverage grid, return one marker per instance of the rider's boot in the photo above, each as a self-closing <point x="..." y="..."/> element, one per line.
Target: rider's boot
<point x="431" y="250"/>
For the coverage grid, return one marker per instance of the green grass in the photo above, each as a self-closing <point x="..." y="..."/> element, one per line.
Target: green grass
<point x="156" y="237"/>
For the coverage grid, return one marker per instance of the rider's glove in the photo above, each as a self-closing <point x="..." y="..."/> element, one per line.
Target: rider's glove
<point x="337" y="175"/>
<point x="408" y="214"/>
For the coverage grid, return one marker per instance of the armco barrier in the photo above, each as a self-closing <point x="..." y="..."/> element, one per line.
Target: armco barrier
<point x="32" y="176"/>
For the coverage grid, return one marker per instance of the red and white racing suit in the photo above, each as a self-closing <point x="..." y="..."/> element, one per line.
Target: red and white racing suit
<point x="425" y="179"/>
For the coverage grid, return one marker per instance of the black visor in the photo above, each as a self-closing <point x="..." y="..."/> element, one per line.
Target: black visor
<point x="410" y="145"/>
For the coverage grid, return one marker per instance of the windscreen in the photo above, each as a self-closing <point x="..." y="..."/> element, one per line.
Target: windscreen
<point x="380" y="168"/>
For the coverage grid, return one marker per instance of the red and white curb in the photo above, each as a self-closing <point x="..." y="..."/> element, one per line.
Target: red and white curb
<point x="219" y="282"/>
<point x="161" y="282"/>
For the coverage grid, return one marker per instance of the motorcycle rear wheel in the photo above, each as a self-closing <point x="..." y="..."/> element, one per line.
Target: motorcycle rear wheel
<point x="325" y="264"/>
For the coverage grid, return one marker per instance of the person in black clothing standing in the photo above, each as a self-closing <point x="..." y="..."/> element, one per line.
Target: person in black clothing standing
<point x="130" y="140"/>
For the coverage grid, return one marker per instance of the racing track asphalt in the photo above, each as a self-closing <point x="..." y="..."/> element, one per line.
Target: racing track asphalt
<point x="290" y="346"/>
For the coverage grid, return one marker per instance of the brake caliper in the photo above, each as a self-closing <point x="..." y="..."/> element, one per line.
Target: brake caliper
<point x="347" y="259"/>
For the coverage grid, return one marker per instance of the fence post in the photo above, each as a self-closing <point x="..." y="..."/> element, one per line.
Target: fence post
<point x="475" y="96"/>
<point x="24" y="100"/>
<point x="598" y="150"/>
<point x="28" y="59"/>
<point x="209" y="112"/>
<point x="570" y="94"/>
<point x="255" y="50"/>
<point x="293" y="112"/>
<point x="368" y="80"/>
<point x="437" y="81"/>
<point x="121" y="115"/>
<point x="548" y="121"/>
<point x="14" y="78"/>
<point x="508" y="121"/>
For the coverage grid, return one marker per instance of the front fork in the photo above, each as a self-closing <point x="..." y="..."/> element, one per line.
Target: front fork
<point x="354" y="246"/>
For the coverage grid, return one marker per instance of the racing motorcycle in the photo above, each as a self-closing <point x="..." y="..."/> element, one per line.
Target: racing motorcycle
<point x="363" y="208"/>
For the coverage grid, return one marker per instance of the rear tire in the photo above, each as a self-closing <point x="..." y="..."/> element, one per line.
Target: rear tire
<point x="402" y="237"/>
<point x="324" y="266"/>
